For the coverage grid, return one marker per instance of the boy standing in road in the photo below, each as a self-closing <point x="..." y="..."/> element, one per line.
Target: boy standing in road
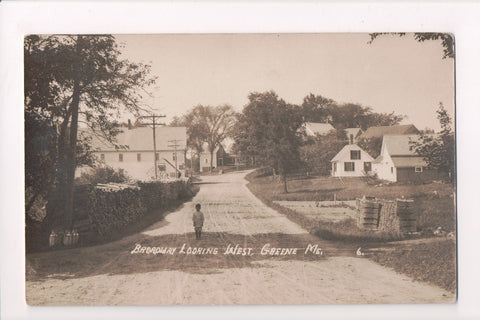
<point x="198" y="221"/>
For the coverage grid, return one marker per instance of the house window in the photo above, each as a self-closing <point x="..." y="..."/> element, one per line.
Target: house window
<point x="349" y="166"/>
<point x="334" y="167"/>
<point x="157" y="156"/>
<point x="139" y="157"/>
<point x="102" y="157"/>
<point x="418" y="169"/>
<point x="391" y="169"/>
<point x="367" y="166"/>
<point x="120" y="157"/>
<point x="206" y="160"/>
<point x="162" y="167"/>
<point x="121" y="171"/>
<point x="174" y="156"/>
<point x="354" y="154"/>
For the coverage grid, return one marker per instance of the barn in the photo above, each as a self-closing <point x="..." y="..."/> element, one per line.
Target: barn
<point x="398" y="161"/>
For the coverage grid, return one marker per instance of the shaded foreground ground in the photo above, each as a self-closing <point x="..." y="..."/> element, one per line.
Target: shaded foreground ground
<point x="111" y="274"/>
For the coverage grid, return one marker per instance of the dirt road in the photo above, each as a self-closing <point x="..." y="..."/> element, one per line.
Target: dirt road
<point x="248" y="254"/>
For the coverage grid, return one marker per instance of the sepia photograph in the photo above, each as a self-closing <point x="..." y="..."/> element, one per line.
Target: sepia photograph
<point x="240" y="169"/>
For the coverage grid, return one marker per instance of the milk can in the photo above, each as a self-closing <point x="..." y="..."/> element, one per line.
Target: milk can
<point x="67" y="239"/>
<point x="52" y="239"/>
<point x="75" y="236"/>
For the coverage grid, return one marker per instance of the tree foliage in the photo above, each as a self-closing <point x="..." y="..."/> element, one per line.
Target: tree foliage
<point x="207" y="125"/>
<point x="77" y="78"/>
<point x="372" y="146"/>
<point x="439" y="150"/>
<point x="316" y="108"/>
<point x="102" y="174"/>
<point x="268" y="131"/>
<point x="448" y="42"/>
<point x="317" y="154"/>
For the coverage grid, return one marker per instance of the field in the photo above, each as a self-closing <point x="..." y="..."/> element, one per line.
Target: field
<point x="425" y="258"/>
<point x="322" y="211"/>
<point x="435" y="202"/>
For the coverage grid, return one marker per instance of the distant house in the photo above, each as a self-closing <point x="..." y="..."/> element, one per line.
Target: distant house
<point x="134" y="154"/>
<point x="398" y="161"/>
<point x="313" y="129"/>
<point x="206" y="158"/>
<point x="379" y="132"/>
<point x="352" y="134"/>
<point x="222" y="156"/>
<point x="351" y="161"/>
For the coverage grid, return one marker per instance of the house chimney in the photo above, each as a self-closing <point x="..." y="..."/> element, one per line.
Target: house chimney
<point x="129" y="124"/>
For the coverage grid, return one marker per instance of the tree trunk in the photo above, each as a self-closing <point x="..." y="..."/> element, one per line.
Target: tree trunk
<point x="285" y="183"/>
<point x="72" y="142"/>
<point x="211" y="160"/>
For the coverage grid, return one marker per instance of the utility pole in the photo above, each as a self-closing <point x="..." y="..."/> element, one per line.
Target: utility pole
<point x="153" y="124"/>
<point x="175" y="145"/>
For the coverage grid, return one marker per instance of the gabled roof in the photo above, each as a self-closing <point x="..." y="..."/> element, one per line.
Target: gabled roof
<point x="406" y="162"/>
<point x="379" y="132"/>
<point x="141" y="139"/>
<point x="317" y="128"/>
<point x="399" y="145"/>
<point x="345" y="153"/>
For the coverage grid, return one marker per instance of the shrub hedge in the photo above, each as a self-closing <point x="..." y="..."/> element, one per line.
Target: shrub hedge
<point x="108" y="212"/>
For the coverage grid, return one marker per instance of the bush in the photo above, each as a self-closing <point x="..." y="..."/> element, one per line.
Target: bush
<point x="110" y="212"/>
<point x="102" y="175"/>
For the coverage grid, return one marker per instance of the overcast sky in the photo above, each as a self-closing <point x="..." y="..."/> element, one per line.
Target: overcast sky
<point x="391" y="74"/>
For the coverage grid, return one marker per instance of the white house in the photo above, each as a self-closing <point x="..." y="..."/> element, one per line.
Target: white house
<point x="222" y="156"/>
<point x="206" y="157"/>
<point x="398" y="161"/>
<point x="351" y="161"/>
<point x="134" y="152"/>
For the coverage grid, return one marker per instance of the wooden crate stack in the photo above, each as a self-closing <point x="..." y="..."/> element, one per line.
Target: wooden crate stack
<point x="369" y="210"/>
<point x="407" y="216"/>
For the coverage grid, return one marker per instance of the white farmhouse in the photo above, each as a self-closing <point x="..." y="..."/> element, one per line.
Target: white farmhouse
<point x="351" y="161"/>
<point x="134" y="153"/>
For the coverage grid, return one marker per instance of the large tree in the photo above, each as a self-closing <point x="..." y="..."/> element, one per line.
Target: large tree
<point x="77" y="78"/>
<point x="209" y="125"/>
<point x="268" y="131"/>
<point x="438" y="150"/>
<point x="316" y="108"/>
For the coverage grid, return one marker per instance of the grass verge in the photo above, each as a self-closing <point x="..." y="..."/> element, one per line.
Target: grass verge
<point x="433" y="262"/>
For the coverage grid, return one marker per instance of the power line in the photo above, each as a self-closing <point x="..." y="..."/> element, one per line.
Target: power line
<point x="153" y="123"/>
<point x="175" y="145"/>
